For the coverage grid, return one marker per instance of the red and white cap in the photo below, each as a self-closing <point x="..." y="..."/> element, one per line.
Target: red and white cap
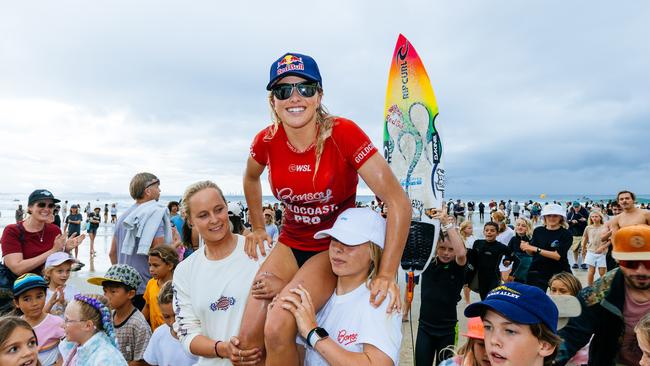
<point x="356" y="226"/>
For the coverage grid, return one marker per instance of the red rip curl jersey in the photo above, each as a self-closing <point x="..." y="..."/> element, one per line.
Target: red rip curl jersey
<point x="313" y="202"/>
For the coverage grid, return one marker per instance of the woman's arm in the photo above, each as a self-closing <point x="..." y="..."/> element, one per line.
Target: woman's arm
<point x="337" y="355"/>
<point x="253" y="194"/>
<point x="381" y="180"/>
<point x="19" y="266"/>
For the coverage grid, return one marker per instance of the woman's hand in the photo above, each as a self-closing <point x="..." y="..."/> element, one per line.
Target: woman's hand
<point x="302" y="309"/>
<point x="176" y="238"/>
<point x="382" y="285"/>
<point x="256" y="240"/>
<point x="266" y="286"/>
<point x="240" y="356"/>
<point x="73" y="241"/>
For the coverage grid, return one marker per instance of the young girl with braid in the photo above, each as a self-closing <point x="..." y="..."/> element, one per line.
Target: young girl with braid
<point x="90" y="336"/>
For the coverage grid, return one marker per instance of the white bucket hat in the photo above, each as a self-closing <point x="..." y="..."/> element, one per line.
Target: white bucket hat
<point x="553" y="209"/>
<point x="234" y="208"/>
<point x="356" y="226"/>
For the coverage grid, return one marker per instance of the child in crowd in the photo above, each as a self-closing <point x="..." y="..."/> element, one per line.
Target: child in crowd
<point x="269" y="224"/>
<point x="594" y="251"/>
<point x="642" y="331"/>
<point x="89" y="333"/>
<point x="131" y="328"/>
<point x="466" y="230"/>
<point x="56" y="273"/>
<point x="441" y="286"/>
<point x="523" y="232"/>
<point x="472" y="353"/>
<point x="520" y="324"/>
<point x="29" y="297"/>
<point x="486" y="256"/>
<point x="164" y="347"/>
<point x="565" y="283"/>
<point x="162" y="262"/>
<point x="18" y="345"/>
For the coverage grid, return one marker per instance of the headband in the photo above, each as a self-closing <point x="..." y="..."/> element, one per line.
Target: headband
<point x="105" y="313"/>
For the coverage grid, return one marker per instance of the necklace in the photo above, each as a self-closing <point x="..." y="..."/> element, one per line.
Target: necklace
<point x="292" y="148"/>
<point x="42" y="234"/>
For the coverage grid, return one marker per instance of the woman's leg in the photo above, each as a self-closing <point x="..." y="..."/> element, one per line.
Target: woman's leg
<point x="283" y="265"/>
<point x="590" y="275"/>
<point x="280" y="329"/>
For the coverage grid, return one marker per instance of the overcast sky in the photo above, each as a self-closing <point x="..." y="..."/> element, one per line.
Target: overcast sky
<point x="534" y="96"/>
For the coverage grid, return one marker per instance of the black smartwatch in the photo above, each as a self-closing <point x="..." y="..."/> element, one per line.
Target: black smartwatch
<point x="316" y="335"/>
<point x="539" y="250"/>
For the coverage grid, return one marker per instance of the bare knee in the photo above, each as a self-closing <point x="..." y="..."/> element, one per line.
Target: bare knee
<point x="279" y="329"/>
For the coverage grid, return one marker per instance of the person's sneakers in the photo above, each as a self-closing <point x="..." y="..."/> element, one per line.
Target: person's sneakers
<point x="583" y="266"/>
<point x="77" y="266"/>
<point x="575" y="266"/>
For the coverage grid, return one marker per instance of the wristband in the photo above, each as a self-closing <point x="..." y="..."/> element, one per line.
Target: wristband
<point x="216" y="349"/>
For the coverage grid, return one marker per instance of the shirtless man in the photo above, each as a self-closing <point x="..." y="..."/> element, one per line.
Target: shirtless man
<point x="631" y="215"/>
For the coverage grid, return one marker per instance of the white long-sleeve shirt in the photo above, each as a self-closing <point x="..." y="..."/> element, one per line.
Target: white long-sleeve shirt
<point x="210" y="296"/>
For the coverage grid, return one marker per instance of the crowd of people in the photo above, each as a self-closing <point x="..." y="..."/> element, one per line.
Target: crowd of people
<point x="314" y="280"/>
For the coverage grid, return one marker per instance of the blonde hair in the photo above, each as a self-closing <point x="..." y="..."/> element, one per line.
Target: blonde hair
<point x="599" y="213"/>
<point x="166" y="254"/>
<point x="464" y="351"/>
<point x="569" y="280"/>
<point x="642" y="328"/>
<point x="500" y="219"/>
<point x="324" y="124"/>
<point x="87" y="312"/>
<point x="375" y="260"/>
<point x="139" y="184"/>
<point x="195" y="188"/>
<point x="529" y="225"/>
<point x="166" y="294"/>
<point x="462" y="228"/>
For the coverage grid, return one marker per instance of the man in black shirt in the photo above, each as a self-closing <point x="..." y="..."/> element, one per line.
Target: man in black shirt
<point x="577" y="218"/>
<point x="481" y="211"/>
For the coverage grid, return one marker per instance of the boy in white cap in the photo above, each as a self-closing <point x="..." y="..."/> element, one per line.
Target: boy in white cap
<point x="348" y="329"/>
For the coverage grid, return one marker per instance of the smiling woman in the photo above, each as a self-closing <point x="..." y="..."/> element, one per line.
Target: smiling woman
<point x="27" y="244"/>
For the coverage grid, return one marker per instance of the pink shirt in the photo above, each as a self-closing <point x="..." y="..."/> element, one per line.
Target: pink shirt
<point x="630" y="353"/>
<point x="49" y="331"/>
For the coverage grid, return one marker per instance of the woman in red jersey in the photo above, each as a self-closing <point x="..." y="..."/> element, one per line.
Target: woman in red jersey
<point x="314" y="160"/>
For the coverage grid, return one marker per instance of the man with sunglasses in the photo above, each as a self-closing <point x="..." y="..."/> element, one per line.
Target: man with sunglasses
<point x="144" y="225"/>
<point x="613" y="305"/>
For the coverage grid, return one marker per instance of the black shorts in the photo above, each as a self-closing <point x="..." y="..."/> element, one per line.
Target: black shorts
<point x="302" y="256"/>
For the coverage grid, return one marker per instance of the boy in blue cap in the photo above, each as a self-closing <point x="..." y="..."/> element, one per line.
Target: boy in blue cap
<point x="520" y="325"/>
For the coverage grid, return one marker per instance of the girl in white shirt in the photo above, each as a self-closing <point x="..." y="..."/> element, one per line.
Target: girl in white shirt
<point x="348" y="330"/>
<point x="211" y="286"/>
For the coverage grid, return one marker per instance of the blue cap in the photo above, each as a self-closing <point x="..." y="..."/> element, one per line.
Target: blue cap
<point x="27" y="282"/>
<point x="294" y="64"/>
<point x="520" y="303"/>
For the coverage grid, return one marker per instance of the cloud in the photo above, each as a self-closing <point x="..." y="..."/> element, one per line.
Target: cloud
<point x="533" y="97"/>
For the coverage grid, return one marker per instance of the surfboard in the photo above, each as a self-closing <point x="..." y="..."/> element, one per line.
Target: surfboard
<point x="413" y="149"/>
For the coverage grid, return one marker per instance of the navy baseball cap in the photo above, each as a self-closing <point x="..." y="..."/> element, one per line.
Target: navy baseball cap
<point x="520" y="303"/>
<point x="41" y="194"/>
<point x="294" y="64"/>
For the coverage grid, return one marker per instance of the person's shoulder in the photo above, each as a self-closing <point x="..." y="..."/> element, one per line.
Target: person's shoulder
<point x="340" y="126"/>
<point x="11" y="229"/>
<point x="52" y="320"/>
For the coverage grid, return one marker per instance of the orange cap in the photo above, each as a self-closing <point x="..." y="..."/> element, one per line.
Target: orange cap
<point x="475" y="328"/>
<point x="632" y="243"/>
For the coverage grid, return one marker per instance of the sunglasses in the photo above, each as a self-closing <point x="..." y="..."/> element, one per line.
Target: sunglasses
<point x="284" y="91"/>
<point x="154" y="182"/>
<point x="43" y="205"/>
<point x="634" y="264"/>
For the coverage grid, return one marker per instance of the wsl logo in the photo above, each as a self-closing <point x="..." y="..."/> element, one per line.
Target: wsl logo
<point x="300" y="168"/>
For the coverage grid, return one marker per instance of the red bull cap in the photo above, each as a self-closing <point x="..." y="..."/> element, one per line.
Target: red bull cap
<point x="294" y="64"/>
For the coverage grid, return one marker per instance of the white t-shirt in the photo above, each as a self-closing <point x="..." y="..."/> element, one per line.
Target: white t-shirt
<point x="469" y="242"/>
<point x="210" y="296"/>
<point x="165" y="350"/>
<point x="352" y="322"/>
<point x="504" y="238"/>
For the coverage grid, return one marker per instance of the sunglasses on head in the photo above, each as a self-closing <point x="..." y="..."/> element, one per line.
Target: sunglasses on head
<point x="154" y="182"/>
<point x="44" y="204"/>
<point x="634" y="264"/>
<point x="305" y="89"/>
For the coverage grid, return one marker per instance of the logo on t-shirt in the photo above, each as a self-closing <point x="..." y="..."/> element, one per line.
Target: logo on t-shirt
<point x="224" y="303"/>
<point x="346" y="338"/>
<point x="298" y="168"/>
<point x="555" y="244"/>
<point x="364" y="151"/>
